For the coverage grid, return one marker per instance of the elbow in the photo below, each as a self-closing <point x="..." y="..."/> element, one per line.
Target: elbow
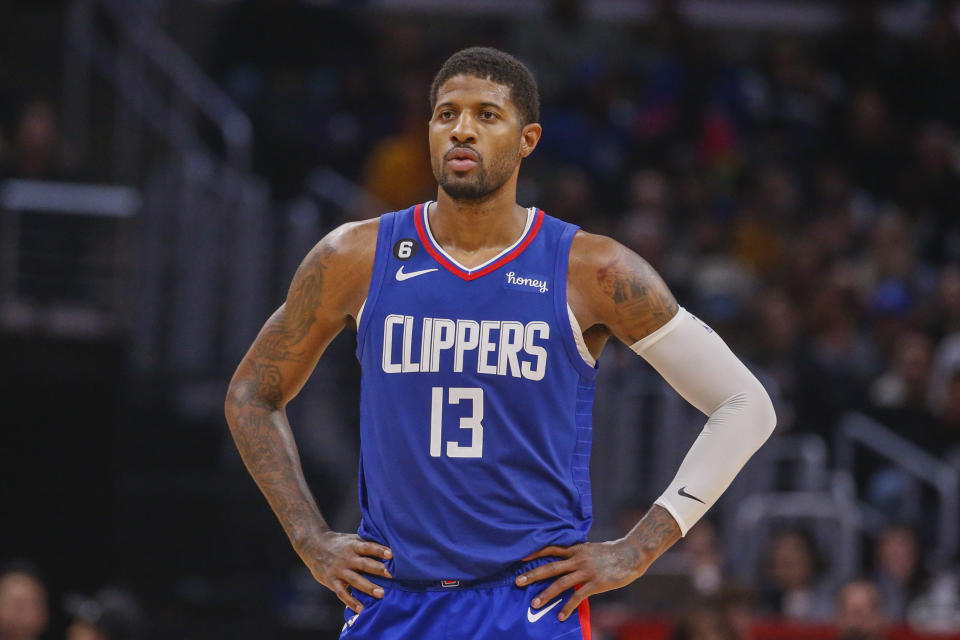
<point x="240" y="394"/>
<point x="231" y="404"/>
<point x="755" y="408"/>
<point x="243" y="397"/>
<point x="766" y="414"/>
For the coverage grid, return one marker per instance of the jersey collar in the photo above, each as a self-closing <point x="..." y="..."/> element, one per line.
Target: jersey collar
<point x="426" y="239"/>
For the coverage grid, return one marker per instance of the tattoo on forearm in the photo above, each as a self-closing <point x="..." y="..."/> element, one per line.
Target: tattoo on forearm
<point x="262" y="435"/>
<point x="656" y="532"/>
<point x="641" y="299"/>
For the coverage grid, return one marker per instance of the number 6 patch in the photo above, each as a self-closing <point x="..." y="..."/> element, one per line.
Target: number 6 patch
<point x="405" y="248"/>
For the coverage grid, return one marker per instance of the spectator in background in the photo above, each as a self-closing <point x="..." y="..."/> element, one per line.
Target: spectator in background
<point x="774" y="343"/>
<point x="23" y="603"/>
<point x="929" y="189"/>
<point x="34" y="151"/>
<point x="795" y="585"/>
<point x="870" y="144"/>
<point x="737" y="604"/>
<point x="839" y="358"/>
<point x="643" y="227"/>
<point x="860" y="614"/>
<point x="899" y="400"/>
<point x="113" y="614"/>
<point x="702" y="558"/>
<point x="571" y="198"/>
<point x="398" y="168"/>
<point x="948" y="434"/>
<point x="706" y="623"/>
<point x="898" y="575"/>
<point x="946" y="311"/>
<point x="771" y="201"/>
<point x="904" y="384"/>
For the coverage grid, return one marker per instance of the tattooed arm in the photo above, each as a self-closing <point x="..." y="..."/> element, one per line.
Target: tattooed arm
<point x="615" y="291"/>
<point x="325" y="295"/>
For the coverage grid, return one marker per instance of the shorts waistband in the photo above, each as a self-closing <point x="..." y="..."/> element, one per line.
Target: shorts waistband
<point x="500" y="579"/>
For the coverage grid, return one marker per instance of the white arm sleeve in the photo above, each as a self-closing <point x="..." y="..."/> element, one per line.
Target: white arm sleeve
<point x="693" y="359"/>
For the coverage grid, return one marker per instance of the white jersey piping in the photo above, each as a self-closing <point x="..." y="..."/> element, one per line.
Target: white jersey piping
<point x="531" y="214"/>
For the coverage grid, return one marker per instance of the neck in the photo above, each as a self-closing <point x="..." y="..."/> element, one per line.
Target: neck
<point x="477" y="225"/>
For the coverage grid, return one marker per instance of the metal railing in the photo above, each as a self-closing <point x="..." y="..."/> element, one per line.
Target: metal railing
<point x="64" y="257"/>
<point x="205" y="263"/>
<point x="206" y="252"/>
<point x="831" y="515"/>
<point x="157" y="85"/>
<point x="857" y="431"/>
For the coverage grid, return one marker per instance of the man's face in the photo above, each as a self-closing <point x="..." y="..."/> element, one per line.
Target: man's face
<point x="792" y="567"/>
<point x="860" y="612"/>
<point x="897" y="554"/>
<point x="476" y="137"/>
<point x="23" y="607"/>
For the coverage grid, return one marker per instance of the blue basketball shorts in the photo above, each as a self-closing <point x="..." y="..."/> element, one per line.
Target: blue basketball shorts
<point x="492" y="609"/>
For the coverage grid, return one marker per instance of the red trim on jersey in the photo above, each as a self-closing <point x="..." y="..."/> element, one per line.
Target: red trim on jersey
<point x="418" y="215"/>
<point x="584" y="610"/>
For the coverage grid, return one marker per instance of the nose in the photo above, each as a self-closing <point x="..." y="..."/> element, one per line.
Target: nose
<point x="464" y="131"/>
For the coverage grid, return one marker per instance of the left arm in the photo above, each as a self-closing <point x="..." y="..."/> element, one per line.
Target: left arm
<point x="615" y="292"/>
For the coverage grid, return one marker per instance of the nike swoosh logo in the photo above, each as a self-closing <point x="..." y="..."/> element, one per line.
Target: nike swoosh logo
<point x="533" y="617"/>
<point x="684" y="493"/>
<point x="401" y="276"/>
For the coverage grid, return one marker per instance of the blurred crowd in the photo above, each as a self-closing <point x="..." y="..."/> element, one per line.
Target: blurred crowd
<point x="25" y="610"/>
<point x="896" y="596"/>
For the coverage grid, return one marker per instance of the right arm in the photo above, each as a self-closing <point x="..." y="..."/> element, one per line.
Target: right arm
<point x="324" y="297"/>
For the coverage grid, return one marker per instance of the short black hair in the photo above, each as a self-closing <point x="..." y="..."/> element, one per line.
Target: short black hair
<point x="498" y="66"/>
<point x="21" y="566"/>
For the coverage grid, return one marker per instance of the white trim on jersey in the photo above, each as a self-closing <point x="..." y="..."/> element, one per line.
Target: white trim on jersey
<point x="578" y="338"/>
<point x="531" y="215"/>
<point x="360" y="312"/>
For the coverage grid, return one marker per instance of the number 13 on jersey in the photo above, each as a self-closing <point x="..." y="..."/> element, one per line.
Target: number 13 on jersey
<point x="473" y="422"/>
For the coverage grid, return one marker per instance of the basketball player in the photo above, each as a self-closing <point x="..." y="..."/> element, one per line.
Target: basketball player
<point x="479" y="323"/>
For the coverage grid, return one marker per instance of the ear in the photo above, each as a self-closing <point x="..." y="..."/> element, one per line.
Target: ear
<point x="529" y="137"/>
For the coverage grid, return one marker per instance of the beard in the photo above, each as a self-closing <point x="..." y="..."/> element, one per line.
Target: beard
<point x="476" y="185"/>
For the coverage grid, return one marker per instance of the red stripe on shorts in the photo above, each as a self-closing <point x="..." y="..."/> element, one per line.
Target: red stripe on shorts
<point x="584" y="610"/>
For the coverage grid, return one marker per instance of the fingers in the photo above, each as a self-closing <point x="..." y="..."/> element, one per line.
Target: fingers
<point x="371" y="566"/>
<point x="548" y="570"/>
<point x="364" y="548"/>
<point x="553" y="550"/>
<point x="357" y="581"/>
<point x="578" y="596"/>
<point x="554" y="590"/>
<point x="340" y="588"/>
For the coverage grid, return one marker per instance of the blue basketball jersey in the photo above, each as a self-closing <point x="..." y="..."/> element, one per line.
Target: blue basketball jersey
<point x="476" y="405"/>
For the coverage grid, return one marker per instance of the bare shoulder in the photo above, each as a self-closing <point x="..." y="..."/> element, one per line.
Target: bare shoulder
<point x="342" y="264"/>
<point x="351" y="239"/>
<point x="613" y="286"/>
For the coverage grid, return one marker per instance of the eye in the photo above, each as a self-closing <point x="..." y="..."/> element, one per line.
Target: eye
<point x="446" y="114"/>
<point x="488" y="115"/>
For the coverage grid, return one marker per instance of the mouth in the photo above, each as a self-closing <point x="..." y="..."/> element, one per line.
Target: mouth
<point x="462" y="159"/>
